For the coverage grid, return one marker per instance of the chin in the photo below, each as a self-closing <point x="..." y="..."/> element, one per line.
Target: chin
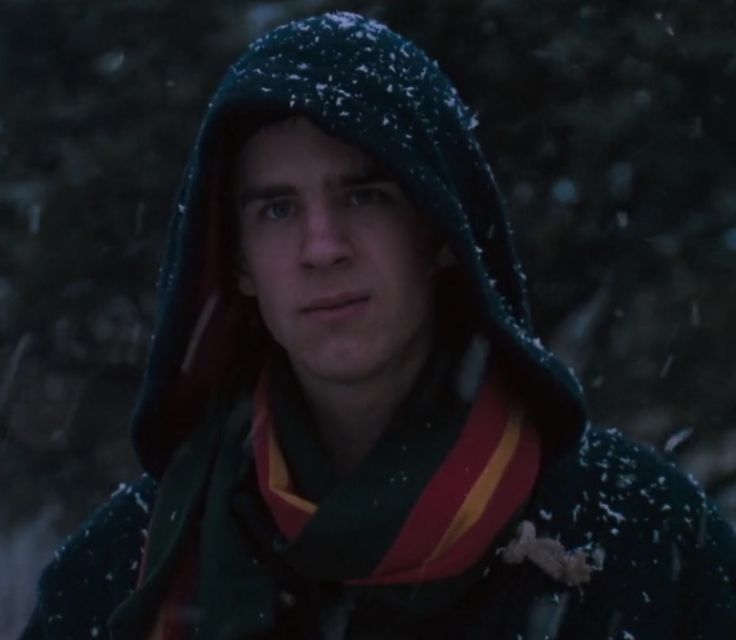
<point x="344" y="365"/>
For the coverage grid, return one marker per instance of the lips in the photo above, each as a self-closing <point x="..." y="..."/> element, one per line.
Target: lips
<point x="334" y="306"/>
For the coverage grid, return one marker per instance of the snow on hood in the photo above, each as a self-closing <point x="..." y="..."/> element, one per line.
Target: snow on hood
<point x="371" y="87"/>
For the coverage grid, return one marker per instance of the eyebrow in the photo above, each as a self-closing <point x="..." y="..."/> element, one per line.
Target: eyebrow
<point x="366" y="175"/>
<point x="370" y="174"/>
<point x="248" y="195"/>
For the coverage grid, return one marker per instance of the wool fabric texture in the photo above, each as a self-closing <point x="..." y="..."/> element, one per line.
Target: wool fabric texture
<point x="434" y="522"/>
<point x="624" y="545"/>
<point x="365" y="84"/>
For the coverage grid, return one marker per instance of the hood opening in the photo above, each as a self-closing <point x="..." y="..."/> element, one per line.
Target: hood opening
<point x="375" y="90"/>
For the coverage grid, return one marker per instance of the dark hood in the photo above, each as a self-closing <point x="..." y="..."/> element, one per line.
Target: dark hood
<point x="362" y="82"/>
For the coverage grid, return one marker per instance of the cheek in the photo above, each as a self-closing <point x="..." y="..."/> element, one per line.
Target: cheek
<point x="277" y="315"/>
<point x="272" y="284"/>
<point x="410" y="256"/>
<point x="260" y="260"/>
<point x="406" y="272"/>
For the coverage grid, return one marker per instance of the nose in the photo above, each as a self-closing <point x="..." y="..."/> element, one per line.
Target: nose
<point x="325" y="239"/>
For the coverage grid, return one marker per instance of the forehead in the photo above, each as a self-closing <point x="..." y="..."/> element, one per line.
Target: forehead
<point x="297" y="145"/>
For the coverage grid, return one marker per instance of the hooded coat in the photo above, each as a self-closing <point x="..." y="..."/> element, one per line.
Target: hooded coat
<point x="663" y="562"/>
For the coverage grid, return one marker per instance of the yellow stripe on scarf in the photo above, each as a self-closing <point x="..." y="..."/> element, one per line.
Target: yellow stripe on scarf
<point x="485" y="486"/>
<point x="279" y="480"/>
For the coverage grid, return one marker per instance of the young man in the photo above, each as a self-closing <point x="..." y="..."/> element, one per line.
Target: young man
<point x="348" y="427"/>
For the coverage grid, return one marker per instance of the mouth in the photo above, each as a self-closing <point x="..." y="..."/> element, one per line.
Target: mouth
<point x="336" y="306"/>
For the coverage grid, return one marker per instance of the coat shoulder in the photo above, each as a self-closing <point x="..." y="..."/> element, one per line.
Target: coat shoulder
<point x="612" y="489"/>
<point x="95" y="568"/>
<point x="663" y="556"/>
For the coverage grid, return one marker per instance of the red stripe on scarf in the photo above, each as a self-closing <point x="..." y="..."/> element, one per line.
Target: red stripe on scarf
<point x="439" y="503"/>
<point x="489" y="473"/>
<point x="290" y="511"/>
<point x="511" y="492"/>
<point x="486" y="477"/>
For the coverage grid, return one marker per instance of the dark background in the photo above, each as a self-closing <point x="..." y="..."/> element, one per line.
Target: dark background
<point x="611" y="128"/>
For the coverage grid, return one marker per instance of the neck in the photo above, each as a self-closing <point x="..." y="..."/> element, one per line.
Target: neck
<point x="352" y="415"/>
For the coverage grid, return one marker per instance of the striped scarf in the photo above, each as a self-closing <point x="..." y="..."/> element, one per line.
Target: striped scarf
<point x="484" y="478"/>
<point x="418" y="516"/>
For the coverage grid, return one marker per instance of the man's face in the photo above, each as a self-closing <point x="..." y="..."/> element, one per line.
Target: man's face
<point x="334" y="252"/>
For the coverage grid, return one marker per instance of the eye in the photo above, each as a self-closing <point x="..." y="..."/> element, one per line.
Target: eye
<point x="278" y="210"/>
<point x="368" y="196"/>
